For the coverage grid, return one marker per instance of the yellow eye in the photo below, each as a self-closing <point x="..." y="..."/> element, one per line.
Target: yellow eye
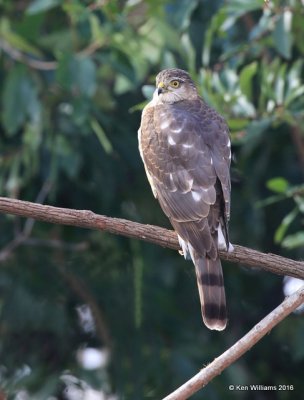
<point x="175" y="84"/>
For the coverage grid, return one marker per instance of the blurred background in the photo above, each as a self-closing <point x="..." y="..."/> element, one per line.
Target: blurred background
<point x="89" y="315"/>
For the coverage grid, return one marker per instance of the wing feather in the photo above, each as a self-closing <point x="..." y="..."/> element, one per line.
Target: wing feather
<point x="186" y="150"/>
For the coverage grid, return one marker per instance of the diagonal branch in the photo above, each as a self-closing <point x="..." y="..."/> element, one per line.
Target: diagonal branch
<point x="153" y="234"/>
<point x="201" y="379"/>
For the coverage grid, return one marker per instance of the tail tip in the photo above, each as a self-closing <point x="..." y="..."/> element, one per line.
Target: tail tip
<point x="215" y="315"/>
<point x="215" y="324"/>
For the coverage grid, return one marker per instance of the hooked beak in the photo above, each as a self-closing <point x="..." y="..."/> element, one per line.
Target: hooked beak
<point x="161" y="88"/>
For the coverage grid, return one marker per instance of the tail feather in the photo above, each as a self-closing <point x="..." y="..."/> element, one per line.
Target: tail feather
<point x="211" y="289"/>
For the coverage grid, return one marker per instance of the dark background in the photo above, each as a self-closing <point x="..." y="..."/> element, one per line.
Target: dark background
<point x="74" y="76"/>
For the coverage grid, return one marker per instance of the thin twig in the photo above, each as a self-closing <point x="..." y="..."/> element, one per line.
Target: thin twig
<point x="22" y="236"/>
<point x="82" y="291"/>
<point x="7" y="250"/>
<point x="18" y="55"/>
<point x="298" y="140"/>
<point x="239" y="348"/>
<point x="97" y="5"/>
<point x="42" y="195"/>
<point x="42" y="65"/>
<point x="153" y="234"/>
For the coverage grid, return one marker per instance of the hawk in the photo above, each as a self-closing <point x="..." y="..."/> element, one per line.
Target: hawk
<point x="185" y="147"/>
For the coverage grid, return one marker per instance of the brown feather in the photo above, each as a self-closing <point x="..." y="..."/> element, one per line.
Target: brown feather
<point x="211" y="290"/>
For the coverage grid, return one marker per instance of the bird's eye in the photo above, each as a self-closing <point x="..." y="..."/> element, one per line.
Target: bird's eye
<point x="175" y="84"/>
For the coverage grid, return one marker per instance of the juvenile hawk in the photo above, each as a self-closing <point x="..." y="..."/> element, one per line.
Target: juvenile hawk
<point x="185" y="148"/>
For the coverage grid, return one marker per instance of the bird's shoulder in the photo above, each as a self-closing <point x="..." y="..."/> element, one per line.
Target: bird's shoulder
<point x="194" y="112"/>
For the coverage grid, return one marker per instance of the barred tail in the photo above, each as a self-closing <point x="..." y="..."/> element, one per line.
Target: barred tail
<point x="211" y="289"/>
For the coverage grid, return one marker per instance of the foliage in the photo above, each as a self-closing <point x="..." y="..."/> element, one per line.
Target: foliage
<point x="71" y="78"/>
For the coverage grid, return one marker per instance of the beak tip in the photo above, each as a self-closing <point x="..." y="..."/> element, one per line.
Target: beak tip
<point x="161" y="87"/>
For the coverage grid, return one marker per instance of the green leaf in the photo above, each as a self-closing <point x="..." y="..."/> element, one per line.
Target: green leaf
<point x="287" y="220"/>
<point x="265" y="23"/>
<point x="13" y="182"/>
<point x="280" y="84"/>
<point x="179" y="13"/>
<point x="230" y="79"/>
<point x="293" y="241"/>
<point x="254" y="134"/>
<point x="216" y="22"/>
<point x="38" y="6"/>
<point x="122" y="84"/>
<point x="236" y="8"/>
<point x="270" y="200"/>
<point x="138" y="107"/>
<point x="277" y="185"/>
<point x="100" y="133"/>
<point x="243" y="107"/>
<point x="294" y="74"/>
<point x="68" y="159"/>
<point x="148" y="91"/>
<point x="84" y="72"/>
<point x="243" y="6"/>
<point x="188" y="48"/>
<point x="58" y="42"/>
<point x="16" y="40"/>
<point x="295" y="88"/>
<point x="237" y="124"/>
<point x="282" y="34"/>
<point x="298" y="30"/>
<point x="97" y="31"/>
<point x="293" y="95"/>
<point x="300" y="202"/>
<point x="77" y="74"/>
<point x="168" y="60"/>
<point x="75" y="10"/>
<point x="20" y="100"/>
<point x="246" y="76"/>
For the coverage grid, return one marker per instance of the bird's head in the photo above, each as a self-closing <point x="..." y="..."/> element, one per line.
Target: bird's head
<point x="174" y="85"/>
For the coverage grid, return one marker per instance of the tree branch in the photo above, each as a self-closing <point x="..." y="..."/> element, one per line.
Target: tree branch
<point x="18" y="55"/>
<point x="167" y="238"/>
<point x="239" y="348"/>
<point x="43" y="65"/>
<point x="149" y="233"/>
